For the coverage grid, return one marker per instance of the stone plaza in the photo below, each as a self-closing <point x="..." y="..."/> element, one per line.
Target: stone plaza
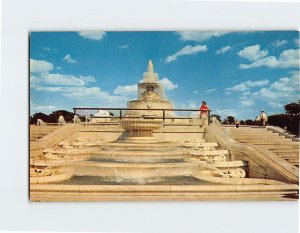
<point x="148" y="152"/>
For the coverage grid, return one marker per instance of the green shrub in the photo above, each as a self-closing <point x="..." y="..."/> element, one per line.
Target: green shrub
<point x="291" y="122"/>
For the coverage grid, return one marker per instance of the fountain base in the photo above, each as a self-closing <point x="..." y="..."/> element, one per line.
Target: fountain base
<point x="140" y="130"/>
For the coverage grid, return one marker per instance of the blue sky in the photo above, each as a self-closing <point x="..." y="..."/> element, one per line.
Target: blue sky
<point x="237" y="73"/>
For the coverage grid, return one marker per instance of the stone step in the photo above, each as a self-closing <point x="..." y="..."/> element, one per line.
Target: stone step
<point x="294" y="162"/>
<point x="296" y="154"/>
<point x="282" y="146"/>
<point x="269" y="140"/>
<point x="289" y="156"/>
<point x="201" y="144"/>
<point x="265" y="142"/>
<point x="291" y="150"/>
<point x="236" y="135"/>
<point x="209" y="153"/>
<point x="259" y="136"/>
<point x="252" y="133"/>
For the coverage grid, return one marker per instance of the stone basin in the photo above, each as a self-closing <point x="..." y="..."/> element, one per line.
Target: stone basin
<point x="140" y="130"/>
<point x="141" y="124"/>
<point x="134" y="171"/>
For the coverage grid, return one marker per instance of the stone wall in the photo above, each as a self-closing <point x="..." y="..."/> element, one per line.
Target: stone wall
<point x="109" y="133"/>
<point x="262" y="163"/>
<point x="69" y="131"/>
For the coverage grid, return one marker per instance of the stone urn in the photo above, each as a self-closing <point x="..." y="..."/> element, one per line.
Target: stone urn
<point x="140" y="129"/>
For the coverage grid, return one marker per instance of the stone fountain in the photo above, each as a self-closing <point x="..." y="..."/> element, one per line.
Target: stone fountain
<point x="88" y="166"/>
<point x="143" y="118"/>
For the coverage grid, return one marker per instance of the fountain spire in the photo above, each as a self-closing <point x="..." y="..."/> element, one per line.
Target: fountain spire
<point x="150" y="67"/>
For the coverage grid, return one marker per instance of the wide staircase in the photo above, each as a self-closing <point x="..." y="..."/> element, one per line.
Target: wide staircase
<point x="37" y="132"/>
<point x="284" y="147"/>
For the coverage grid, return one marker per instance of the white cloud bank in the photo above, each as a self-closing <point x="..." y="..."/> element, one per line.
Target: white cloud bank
<point x="187" y="50"/>
<point x="128" y="90"/>
<point x="288" y="58"/>
<point x="40" y="66"/>
<point x="131" y="90"/>
<point x="34" y="108"/>
<point x="284" y="90"/>
<point x="167" y="84"/>
<point x="93" y="35"/>
<point x="60" y="80"/>
<point x="71" y="86"/>
<point x="279" y="43"/>
<point x="253" y="53"/>
<point x="200" y="36"/>
<point x="276" y="95"/>
<point x="244" y="86"/>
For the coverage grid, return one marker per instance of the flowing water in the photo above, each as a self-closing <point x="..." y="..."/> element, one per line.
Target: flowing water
<point x="97" y="180"/>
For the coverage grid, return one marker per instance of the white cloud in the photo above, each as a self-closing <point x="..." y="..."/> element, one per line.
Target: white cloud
<point x="279" y="43"/>
<point x="40" y="66"/>
<point x="126" y="90"/>
<point x="69" y="59"/>
<point x="288" y="58"/>
<point x="125" y="46"/>
<point x="70" y="86"/>
<point x="223" y="50"/>
<point x="34" y="108"/>
<point x="94" y="93"/>
<point x="247" y="102"/>
<point x="187" y="50"/>
<point x="253" y="53"/>
<point x="275" y="104"/>
<point x="246" y="93"/>
<point x="244" y="86"/>
<point x="167" y="84"/>
<point x="200" y="36"/>
<point x="45" y="88"/>
<point x="211" y="90"/>
<point x="276" y="95"/>
<point x="93" y="35"/>
<point x="195" y="92"/>
<point x="60" y="80"/>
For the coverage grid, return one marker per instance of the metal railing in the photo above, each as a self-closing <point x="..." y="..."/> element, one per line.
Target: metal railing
<point x="162" y="116"/>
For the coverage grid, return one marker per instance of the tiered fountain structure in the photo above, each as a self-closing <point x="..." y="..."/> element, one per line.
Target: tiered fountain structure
<point x="143" y="166"/>
<point x="139" y="123"/>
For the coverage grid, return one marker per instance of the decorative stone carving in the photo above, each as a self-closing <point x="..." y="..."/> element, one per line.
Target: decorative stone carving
<point x="76" y="119"/>
<point x="40" y="122"/>
<point x="61" y="120"/>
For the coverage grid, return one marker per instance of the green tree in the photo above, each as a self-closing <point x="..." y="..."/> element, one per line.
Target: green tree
<point x="68" y="116"/>
<point x="216" y="116"/>
<point x="249" y="122"/>
<point x="289" y="120"/>
<point x="293" y="108"/>
<point x="44" y="117"/>
<point x="230" y="120"/>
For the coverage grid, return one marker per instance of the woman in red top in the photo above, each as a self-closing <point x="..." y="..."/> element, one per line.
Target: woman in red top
<point x="203" y="114"/>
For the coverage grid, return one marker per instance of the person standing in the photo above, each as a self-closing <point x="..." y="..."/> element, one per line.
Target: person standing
<point x="204" y="109"/>
<point x="263" y="118"/>
<point x="237" y="123"/>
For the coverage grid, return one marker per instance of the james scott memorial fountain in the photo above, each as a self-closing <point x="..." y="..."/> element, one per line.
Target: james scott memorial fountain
<point x="143" y="157"/>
